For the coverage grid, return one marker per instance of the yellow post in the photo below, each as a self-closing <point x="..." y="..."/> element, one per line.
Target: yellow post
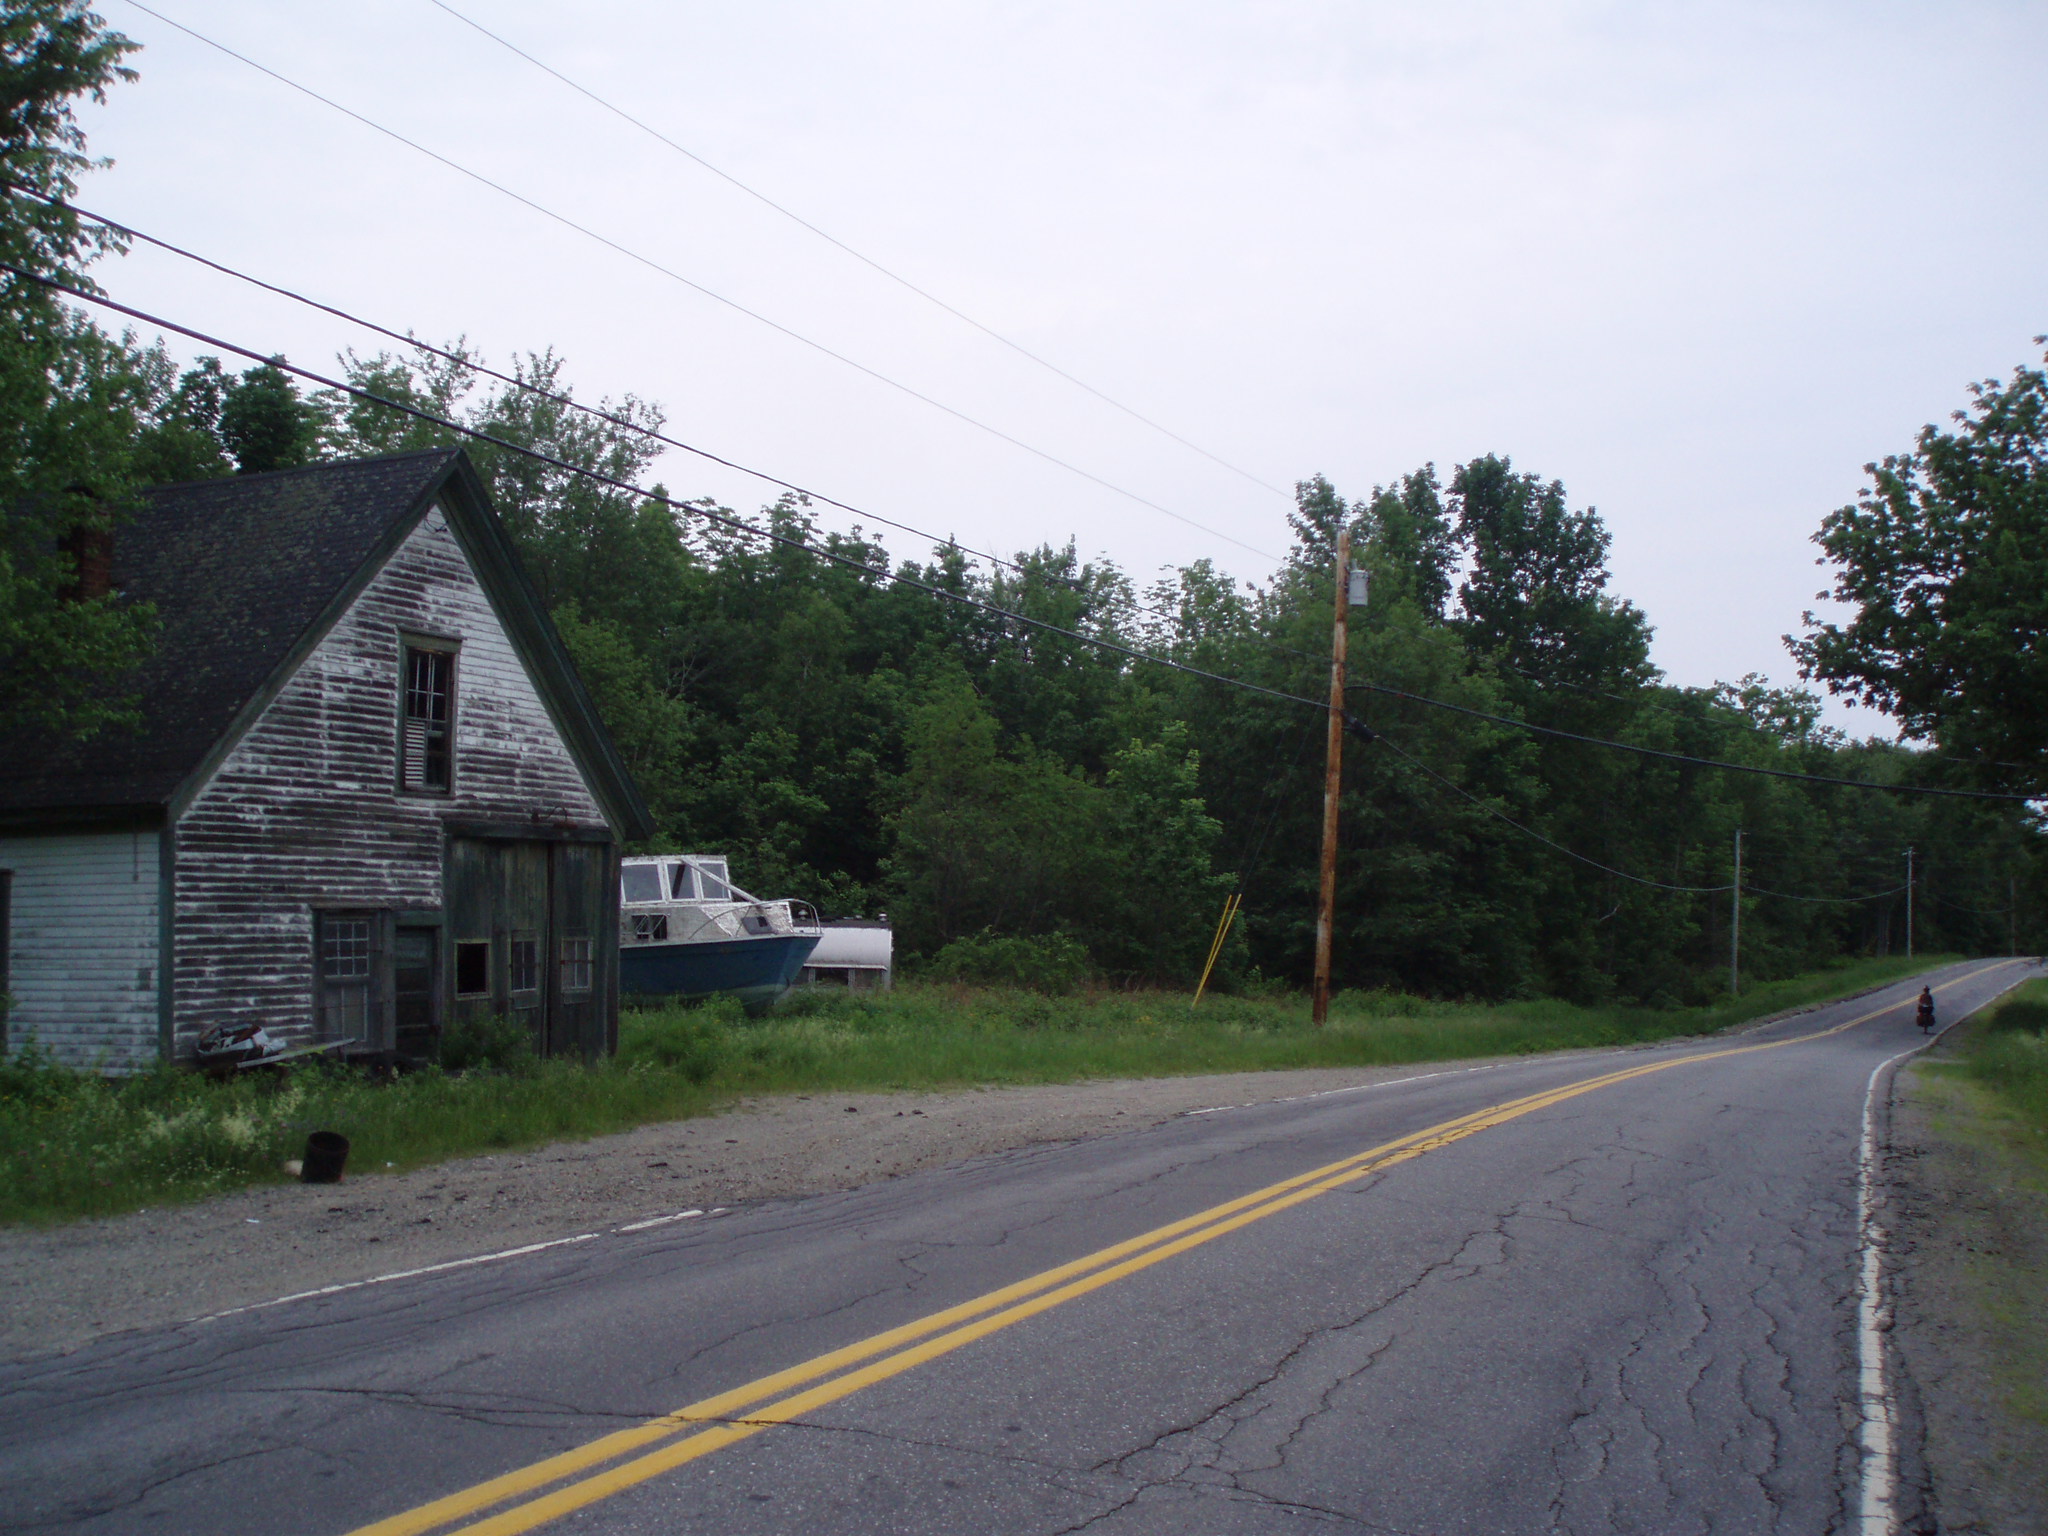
<point x="1230" y="906"/>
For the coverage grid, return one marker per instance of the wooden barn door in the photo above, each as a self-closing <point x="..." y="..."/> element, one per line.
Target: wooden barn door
<point x="533" y="938"/>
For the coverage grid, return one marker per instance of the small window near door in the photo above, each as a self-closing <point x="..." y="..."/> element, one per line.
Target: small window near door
<point x="576" y="964"/>
<point x="345" y="970"/>
<point x="473" y="968"/>
<point x="525" y="963"/>
<point x="426" y="746"/>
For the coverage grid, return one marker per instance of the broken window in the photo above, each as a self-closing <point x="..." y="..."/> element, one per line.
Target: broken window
<point x="650" y="927"/>
<point x="473" y="968"/>
<point x="345" y="976"/>
<point x="525" y="963"/>
<point x="576" y="964"/>
<point x="426" y="744"/>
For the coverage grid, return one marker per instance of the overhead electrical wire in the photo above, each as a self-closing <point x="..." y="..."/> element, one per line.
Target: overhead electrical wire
<point x="860" y="256"/>
<point x="1530" y="832"/>
<point x="1687" y="757"/>
<point x="1101" y="642"/>
<point x="569" y="402"/>
<point x="733" y="304"/>
<point x="738" y="525"/>
<point x="1352" y="722"/>
<point x="1621" y="874"/>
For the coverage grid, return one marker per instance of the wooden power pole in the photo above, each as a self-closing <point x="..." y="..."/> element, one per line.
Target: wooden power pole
<point x="1735" y="923"/>
<point x="1333" y="781"/>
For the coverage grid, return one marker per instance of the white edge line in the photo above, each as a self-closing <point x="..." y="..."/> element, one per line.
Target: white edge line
<point x="401" y="1274"/>
<point x="1876" y="1515"/>
<point x="657" y="1221"/>
<point x="1873" y="1317"/>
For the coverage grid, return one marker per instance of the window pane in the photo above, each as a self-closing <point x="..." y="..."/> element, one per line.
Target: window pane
<point x="425" y="740"/>
<point x="642" y="882"/>
<point x="685" y="882"/>
<point x="525" y="964"/>
<point x="473" y="968"/>
<point x="650" y="927"/>
<point x="426" y="686"/>
<point x="576" y="965"/>
<point x="344" y="948"/>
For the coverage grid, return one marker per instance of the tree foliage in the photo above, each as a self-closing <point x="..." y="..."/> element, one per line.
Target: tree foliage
<point x="1027" y="803"/>
<point x="1944" y="558"/>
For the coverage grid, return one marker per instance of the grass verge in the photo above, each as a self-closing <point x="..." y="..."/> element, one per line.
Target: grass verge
<point x="73" y="1145"/>
<point x="1993" y="1093"/>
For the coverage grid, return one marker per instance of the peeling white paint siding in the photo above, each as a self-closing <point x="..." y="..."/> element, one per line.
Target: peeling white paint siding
<point x="83" y="953"/>
<point x="305" y="811"/>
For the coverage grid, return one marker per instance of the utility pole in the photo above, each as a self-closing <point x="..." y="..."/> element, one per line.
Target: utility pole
<point x="1735" y="922"/>
<point x="2012" y="914"/>
<point x="1333" y="780"/>
<point x="1909" y="903"/>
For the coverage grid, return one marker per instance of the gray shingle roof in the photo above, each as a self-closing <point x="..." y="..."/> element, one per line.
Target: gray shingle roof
<point x="238" y="569"/>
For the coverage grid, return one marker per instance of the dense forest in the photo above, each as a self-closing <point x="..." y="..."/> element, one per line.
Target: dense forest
<point x="1005" y="777"/>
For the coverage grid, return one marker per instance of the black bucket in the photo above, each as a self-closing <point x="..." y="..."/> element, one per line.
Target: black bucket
<point x="326" y="1156"/>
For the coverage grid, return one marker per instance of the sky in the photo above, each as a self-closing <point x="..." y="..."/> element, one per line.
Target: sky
<point x="1700" y="263"/>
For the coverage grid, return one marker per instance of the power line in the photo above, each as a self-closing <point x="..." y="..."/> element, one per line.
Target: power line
<point x="859" y="256"/>
<point x="1101" y="642"/>
<point x="1530" y="832"/>
<point x="738" y="525"/>
<point x="669" y="272"/>
<point x="1686" y="757"/>
<point x="569" y="402"/>
<point x="1711" y="701"/>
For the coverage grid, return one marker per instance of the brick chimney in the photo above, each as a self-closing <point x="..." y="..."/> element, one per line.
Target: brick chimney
<point x="91" y="552"/>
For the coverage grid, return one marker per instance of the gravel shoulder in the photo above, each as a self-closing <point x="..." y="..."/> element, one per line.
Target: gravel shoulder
<point x="1968" y="1252"/>
<point x="61" y="1287"/>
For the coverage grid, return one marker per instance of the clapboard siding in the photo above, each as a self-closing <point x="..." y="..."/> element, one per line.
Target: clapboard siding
<point x="305" y="812"/>
<point x="83" y="950"/>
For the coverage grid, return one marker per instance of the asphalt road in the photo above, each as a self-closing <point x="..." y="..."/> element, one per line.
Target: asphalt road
<point x="1602" y="1293"/>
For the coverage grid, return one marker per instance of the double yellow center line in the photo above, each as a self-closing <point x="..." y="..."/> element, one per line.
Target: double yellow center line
<point x="610" y="1465"/>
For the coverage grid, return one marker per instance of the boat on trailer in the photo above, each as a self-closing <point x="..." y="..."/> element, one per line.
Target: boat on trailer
<point x="686" y="931"/>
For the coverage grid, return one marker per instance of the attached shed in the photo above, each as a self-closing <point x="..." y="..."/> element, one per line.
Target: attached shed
<point x="370" y="794"/>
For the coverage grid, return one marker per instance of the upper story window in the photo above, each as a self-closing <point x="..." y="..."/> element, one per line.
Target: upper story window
<point x="426" y="741"/>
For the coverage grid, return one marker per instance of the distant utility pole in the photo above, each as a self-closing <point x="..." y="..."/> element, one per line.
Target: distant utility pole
<point x="1735" y="922"/>
<point x="1909" y="903"/>
<point x="2012" y="914"/>
<point x="1333" y="781"/>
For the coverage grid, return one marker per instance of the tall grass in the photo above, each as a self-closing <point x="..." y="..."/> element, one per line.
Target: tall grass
<point x="73" y="1144"/>
<point x="2009" y="1056"/>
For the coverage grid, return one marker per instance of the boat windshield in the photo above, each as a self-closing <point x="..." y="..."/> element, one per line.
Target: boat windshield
<point x="711" y="876"/>
<point x="683" y="886"/>
<point x="640" y="882"/>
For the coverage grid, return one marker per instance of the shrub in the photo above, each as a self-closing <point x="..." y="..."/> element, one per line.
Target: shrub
<point x="494" y="1042"/>
<point x="1051" y="964"/>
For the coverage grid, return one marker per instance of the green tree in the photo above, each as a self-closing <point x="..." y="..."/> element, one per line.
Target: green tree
<point x="266" y="424"/>
<point x="73" y="401"/>
<point x="1944" y="558"/>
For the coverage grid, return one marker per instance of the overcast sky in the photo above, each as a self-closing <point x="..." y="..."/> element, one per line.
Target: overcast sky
<point x="1701" y="263"/>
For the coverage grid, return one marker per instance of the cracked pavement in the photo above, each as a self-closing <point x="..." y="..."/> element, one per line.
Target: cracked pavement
<point x="1629" y="1311"/>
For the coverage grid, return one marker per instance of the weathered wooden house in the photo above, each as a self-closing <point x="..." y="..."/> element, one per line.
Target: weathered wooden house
<point x="370" y="794"/>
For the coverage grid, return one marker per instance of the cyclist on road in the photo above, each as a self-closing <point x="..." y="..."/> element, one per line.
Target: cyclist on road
<point x="1925" y="1012"/>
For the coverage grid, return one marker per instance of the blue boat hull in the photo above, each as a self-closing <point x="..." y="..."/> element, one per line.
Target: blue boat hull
<point x="756" y="971"/>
